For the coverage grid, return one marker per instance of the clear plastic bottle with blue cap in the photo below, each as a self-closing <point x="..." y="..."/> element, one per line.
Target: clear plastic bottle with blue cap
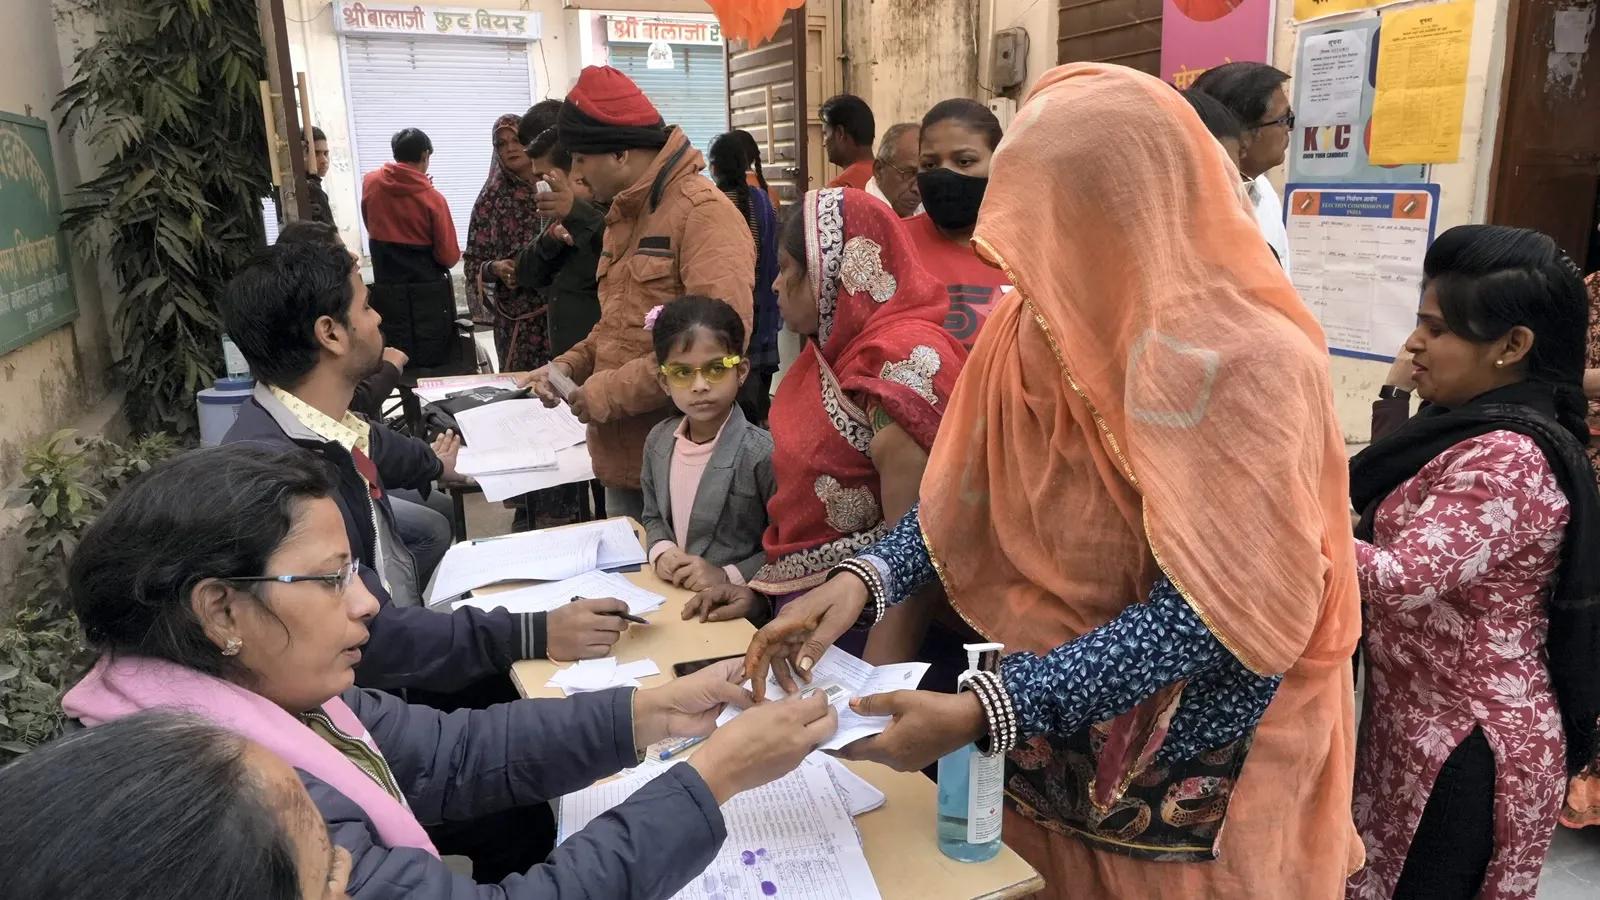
<point x="972" y="784"/>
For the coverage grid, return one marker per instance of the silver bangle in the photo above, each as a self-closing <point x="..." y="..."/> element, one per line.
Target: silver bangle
<point x="997" y="710"/>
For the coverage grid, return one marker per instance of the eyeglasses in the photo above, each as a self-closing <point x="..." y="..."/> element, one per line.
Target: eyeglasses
<point x="682" y="376"/>
<point x="902" y="171"/>
<point x="1286" y="120"/>
<point x="339" y="580"/>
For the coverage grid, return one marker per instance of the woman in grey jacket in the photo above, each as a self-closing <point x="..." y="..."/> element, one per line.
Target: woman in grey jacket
<point x="247" y="610"/>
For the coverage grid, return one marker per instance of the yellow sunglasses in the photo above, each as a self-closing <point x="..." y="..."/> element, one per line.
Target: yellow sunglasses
<point x="682" y="376"/>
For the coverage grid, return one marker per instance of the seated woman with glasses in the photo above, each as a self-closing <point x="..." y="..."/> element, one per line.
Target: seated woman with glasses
<point x="134" y="809"/>
<point x="707" y="474"/>
<point x="221" y="583"/>
<point x="855" y="415"/>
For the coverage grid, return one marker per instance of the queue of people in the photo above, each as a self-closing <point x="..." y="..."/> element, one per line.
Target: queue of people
<point x="1032" y="405"/>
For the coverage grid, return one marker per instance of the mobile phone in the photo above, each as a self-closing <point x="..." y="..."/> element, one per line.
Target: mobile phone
<point x="694" y="665"/>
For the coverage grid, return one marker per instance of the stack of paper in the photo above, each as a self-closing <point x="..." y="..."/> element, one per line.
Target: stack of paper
<point x="589" y="585"/>
<point x="549" y="555"/>
<point x="600" y="674"/>
<point x="479" y="463"/>
<point x="432" y="390"/>
<point x="793" y="838"/>
<point x="857" y="679"/>
<point x="517" y="446"/>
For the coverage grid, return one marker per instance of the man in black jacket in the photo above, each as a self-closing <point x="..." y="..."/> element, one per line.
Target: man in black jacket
<point x="299" y="314"/>
<point x="561" y="264"/>
<point x="319" y="208"/>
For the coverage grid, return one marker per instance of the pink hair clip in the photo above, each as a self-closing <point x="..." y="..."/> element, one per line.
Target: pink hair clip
<point x="650" y="319"/>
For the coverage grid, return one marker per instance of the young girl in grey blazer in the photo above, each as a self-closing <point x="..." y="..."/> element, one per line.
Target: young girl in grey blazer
<point x="707" y="474"/>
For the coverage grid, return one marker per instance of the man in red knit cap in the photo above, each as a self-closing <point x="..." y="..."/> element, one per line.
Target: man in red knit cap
<point x="669" y="232"/>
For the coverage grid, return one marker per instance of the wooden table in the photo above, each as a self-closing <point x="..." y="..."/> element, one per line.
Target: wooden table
<point x="898" y="836"/>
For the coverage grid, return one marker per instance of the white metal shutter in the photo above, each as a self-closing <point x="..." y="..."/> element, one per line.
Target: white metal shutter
<point x="451" y="88"/>
<point x="692" y="95"/>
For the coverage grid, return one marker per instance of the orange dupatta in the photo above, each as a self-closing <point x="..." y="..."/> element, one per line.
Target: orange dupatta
<point x="1154" y="398"/>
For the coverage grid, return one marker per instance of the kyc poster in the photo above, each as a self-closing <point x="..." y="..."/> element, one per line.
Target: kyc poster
<point x="1197" y="35"/>
<point x="1356" y="254"/>
<point x="1335" y="77"/>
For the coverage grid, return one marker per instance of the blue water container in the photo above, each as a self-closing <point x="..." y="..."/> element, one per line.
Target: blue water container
<point x="219" y="407"/>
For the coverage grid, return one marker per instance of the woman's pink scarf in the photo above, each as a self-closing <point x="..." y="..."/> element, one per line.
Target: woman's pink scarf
<point x="131" y="684"/>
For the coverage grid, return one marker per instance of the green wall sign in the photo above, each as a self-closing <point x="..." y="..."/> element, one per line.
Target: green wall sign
<point x="35" y="270"/>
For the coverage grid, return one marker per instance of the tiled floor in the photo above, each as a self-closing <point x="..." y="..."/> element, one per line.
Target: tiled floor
<point x="1572" y="871"/>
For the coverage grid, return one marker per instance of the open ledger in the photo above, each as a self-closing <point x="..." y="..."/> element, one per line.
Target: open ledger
<point x="549" y="555"/>
<point x="792" y="838"/>
<point x="857" y="678"/>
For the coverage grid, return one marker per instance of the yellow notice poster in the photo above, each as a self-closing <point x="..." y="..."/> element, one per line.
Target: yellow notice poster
<point x="1306" y="10"/>
<point x="1422" y="85"/>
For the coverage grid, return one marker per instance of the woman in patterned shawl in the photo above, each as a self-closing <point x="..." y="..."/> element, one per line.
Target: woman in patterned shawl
<point x="1140" y="489"/>
<point x="855" y="416"/>
<point x="504" y="221"/>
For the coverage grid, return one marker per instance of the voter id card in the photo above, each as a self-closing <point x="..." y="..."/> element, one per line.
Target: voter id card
<point x="564" y="386"/>
<point x="836" y="693"/>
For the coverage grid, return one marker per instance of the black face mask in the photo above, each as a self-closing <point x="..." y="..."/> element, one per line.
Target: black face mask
<point x="951" y="199"/>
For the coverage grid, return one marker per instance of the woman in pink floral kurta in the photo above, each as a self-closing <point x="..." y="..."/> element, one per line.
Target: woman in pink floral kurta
<point x="1480" y="590"/>
<point x="1454" y="589"/>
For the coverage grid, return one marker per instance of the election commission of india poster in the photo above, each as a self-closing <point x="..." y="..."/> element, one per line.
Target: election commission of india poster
<point x="1356" y="253"/>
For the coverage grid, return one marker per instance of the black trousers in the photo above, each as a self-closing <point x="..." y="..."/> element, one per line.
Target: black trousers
<point x="1455" y="838"/>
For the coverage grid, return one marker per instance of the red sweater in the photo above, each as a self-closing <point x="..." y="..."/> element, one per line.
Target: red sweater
<point x="400" y="205"/>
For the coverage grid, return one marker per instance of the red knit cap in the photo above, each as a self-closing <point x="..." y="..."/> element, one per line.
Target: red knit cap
<point x="606" y="95"/>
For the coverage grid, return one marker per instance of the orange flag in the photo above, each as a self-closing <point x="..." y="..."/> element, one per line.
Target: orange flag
<point x="753" y="21"/>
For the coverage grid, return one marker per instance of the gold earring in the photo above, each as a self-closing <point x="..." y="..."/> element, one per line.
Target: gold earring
<point x="1499" y="363"/>
<point x="232" y="647"/>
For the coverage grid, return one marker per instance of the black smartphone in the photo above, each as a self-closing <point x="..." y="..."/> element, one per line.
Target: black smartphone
<point x="694" y="665"/>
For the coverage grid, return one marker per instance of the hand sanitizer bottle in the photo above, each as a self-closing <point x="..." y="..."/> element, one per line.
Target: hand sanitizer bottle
<point x="971" y="784"/>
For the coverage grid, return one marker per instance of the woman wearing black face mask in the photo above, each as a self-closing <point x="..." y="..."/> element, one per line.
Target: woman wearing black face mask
<point x="958" y="139"/>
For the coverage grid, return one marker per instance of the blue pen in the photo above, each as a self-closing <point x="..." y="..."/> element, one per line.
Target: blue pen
<point x="677" y="748"/>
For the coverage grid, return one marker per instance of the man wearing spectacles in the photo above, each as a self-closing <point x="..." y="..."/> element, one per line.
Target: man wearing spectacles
<point x="299" y="313"/>
<point x="1256" y="93"/>
<point x="894" y="171"/>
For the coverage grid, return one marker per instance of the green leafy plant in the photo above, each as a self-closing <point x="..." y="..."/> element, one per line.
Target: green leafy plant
<point x="168" y="94"/>
<point x="67" y="483"/>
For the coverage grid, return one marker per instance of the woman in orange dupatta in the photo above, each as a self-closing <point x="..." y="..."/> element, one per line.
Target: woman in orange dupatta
<point x="1140" y="488"/>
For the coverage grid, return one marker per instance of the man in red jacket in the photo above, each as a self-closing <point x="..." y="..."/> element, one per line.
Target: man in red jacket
<point x="413" y="244"/>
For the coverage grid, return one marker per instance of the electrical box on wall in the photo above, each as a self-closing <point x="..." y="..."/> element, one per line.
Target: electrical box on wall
<point x="1004" y="109"/>
<point x="1008" y="59"/>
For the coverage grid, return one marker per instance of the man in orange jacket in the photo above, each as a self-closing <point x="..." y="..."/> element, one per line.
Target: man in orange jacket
<point x="669" y="232"/>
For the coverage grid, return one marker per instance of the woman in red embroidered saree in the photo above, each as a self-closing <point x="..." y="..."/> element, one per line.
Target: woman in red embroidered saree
<point x="855" y="416"/>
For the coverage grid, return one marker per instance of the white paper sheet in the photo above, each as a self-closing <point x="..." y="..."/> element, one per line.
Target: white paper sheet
<point x="601" y="674"/>
<point x="619" y="544"/>
<point x="572" y="465"/>
<point x="477" y="463"/>
<point x="520" y="425"/>
<point x="793" y="839"/>
<point x="535" y="556"/>
<point x="859" y="679"/>
<point x="591" y="585"/>
<point x="1335" y="67"/>
<point x="858" y="793"/>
